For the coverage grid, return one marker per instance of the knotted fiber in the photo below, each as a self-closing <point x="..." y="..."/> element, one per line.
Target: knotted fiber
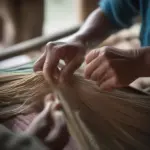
<point x="98" y="120"/>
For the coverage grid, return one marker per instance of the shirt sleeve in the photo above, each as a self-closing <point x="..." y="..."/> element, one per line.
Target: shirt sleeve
<point x="12" y="141"/>
<point x="120" y="12"/>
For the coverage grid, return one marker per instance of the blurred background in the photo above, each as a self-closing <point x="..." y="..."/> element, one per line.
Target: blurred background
<point x="21" y="20"/>
<point x="59" y="14"/>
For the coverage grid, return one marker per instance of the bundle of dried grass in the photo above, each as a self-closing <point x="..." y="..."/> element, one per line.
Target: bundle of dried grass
<point x="116" y="120"/>
<point x="20" y="93"/>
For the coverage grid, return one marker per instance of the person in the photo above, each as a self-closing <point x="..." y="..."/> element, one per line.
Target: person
<point x="109" y="67"/>
<point x="47" y="131"/>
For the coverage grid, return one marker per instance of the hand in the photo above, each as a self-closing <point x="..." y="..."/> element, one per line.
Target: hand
<point x="49" y="126"/>
<point x="72" y="53"/>
<point x="113" y="68"/>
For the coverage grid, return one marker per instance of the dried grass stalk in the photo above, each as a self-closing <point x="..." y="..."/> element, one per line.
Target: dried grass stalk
<point x="19" y="93"/>
<point x="116" y="120"/>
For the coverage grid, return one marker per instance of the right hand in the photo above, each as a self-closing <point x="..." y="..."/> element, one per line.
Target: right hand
<point x="72" y="53"/>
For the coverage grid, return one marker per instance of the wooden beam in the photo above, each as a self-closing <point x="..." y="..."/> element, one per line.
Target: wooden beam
<point x="33" y="44"/>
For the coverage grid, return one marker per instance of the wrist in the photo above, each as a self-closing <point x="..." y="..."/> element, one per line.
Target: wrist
<point x="84" y="40"/>
<point x="77" y="38"/>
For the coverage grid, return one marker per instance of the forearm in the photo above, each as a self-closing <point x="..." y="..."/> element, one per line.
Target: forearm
<point x="95" y="29"/>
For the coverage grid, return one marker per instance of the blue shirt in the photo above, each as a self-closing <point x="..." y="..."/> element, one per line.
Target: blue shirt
<point x="122" y="12"/>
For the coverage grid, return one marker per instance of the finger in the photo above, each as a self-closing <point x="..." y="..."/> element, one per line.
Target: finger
<point x="69" y="69"/>
<point x="43" y="123"/>
<point x="93" y="65"/>
<point x="99" y="73"/>
<point x="109" y="84"/>
<point x="91" y="55"/>
<point x="38" y="66"/>
<point x="114" y="53"/>
<point x="109" y="73"/>
<point x="51" y="62"/>
<point x="59" y="136"/>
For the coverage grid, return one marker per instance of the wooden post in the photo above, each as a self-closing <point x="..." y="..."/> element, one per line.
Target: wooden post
<point x="84" y="8"/>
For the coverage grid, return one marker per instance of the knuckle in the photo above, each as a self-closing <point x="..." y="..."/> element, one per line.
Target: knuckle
<point x="50" y="45"/>
<point x="107" y="48"/>
<point x="95" y="52"/>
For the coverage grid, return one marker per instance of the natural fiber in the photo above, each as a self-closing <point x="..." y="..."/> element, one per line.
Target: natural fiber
<point x="20" y="93"/>
<point x="117" y="120"/>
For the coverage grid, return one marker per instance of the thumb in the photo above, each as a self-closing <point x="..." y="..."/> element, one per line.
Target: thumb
<point x="71" y="67"/>
<point x="38" y="66"/>
<point x="113" y="53"/>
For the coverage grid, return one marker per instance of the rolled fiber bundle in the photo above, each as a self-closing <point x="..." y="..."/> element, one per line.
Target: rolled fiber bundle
<point x="116" y="120"/>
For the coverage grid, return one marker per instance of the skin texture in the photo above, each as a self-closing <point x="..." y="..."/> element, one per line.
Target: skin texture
<point x="73" y="50"/>
<point x="49" y="126"/>
<point x="110" y="69"/>
<point x="113" y="68"/>
<point x="72" y="54"/>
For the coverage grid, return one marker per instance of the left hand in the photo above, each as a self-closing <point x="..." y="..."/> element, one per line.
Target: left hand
<point x="112" y="67"/>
